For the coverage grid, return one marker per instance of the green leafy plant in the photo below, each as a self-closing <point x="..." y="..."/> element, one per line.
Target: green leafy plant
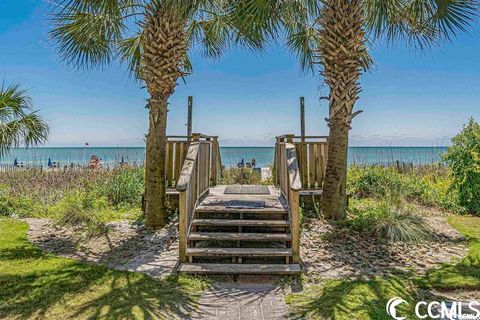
<point x="124" y="186"/>
<point x="463" y="157"/>
<point x="389" y="219"/>
<point x="82" y="209"/>
<point x="240" y="176"/>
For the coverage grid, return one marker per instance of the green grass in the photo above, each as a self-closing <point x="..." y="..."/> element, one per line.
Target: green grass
<point x="343" y="299"/>
<point x="37" y="285"/>
<point x="466" y="273"/>
<point x="339" y="299"/>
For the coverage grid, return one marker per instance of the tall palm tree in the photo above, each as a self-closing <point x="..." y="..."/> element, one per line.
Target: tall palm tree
<point x="19" y="123"/>
<point x="335" y="34"/>
<point x="154" y="38"/>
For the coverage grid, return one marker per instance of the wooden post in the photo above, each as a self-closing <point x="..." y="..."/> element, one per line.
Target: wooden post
<point x="182" y="225"/>
<point x="214" y="178"/>
<point x="302" y="118"/>
<point x="189" y="121"/>
<point x="295" y="225"/>
<point x="196" y="137"/>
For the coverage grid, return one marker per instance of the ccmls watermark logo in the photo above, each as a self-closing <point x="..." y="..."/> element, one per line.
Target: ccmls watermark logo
<point x="392" y="305"/>
<point x="441" y="310"/>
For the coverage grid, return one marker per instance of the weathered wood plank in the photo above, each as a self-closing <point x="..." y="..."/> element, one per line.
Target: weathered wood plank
<point x="195" y="236"/>
<point x="243" y="252"/>
<point x="178" y="162"/>
<point x="220" y="268"/>
<point x="238" y="222"/>
<point x="188" y="167"/>
<point x="169" y="168"/>
<point x="311" y="165"/>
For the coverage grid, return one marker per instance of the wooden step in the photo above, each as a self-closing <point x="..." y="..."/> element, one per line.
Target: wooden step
<point x="240" y="252"/>
<point x="237" y="236"/>
<point x="220" y="209"/>
<point x="238" y="222"/>
<point x="232" y="268"/>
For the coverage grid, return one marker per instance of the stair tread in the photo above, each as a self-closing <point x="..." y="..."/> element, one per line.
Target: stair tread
<point x="239" y="236"/>
<point x="238" y="222"/>
<point x="230" y="268"/>
<point x="252" y="252"/>
<point x="223" y="209"/>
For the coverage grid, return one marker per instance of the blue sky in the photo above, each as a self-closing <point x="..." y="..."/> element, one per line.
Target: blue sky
<point x="246" y="98"/>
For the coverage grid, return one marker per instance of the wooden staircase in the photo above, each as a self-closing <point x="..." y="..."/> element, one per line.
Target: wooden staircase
<point x="237" y="232"/>
<point x="240" y="234"/>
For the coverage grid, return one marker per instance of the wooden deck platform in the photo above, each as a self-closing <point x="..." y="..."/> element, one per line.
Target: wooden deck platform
<point x="217" y="201"/>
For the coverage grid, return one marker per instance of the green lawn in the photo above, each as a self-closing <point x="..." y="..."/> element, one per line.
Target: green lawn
<point x="367" y="299"/>
<point x="465" y="274"/>
<point x="39" y="285"/>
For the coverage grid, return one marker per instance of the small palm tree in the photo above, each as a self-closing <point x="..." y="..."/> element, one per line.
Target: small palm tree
<point x="19" y="123"/>
<point x="335" y="34"/>
<point x="154" y="38"/>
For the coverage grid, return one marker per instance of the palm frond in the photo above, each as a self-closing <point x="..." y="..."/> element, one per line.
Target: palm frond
<point x="88" y="31"/>
<point x="19" y="125"/>
<point x="420" y="23"/>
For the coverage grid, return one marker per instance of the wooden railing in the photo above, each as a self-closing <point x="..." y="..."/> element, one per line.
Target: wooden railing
<point x="177" y="149"/>
<point x="288" y="179"/>
<point x="201" y="169"/>
<point x="312" y="157"/>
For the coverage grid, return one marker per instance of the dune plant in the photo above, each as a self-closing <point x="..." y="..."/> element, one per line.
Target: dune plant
<point x="20" y="124"/>
<point x="463" y="157"/>
<point x="389" y="219"/>
<point x="154" y="38"/>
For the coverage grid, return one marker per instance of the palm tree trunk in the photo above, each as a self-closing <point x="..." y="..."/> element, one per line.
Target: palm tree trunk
<point x="164" y="48"/>
<point x="155" y="195"/>
<point x="343" y="55"/>
<point x="334" y="196"/>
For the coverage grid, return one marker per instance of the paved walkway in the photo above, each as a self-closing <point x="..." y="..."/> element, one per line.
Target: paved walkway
<point x="241" y="301"/>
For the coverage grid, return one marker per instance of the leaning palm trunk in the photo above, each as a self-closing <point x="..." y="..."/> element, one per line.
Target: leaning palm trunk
<point x="343" y="55"/>
<point x="164" y="46"/>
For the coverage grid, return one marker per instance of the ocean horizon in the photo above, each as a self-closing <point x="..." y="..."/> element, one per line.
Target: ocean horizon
<point x="231" y="156"/>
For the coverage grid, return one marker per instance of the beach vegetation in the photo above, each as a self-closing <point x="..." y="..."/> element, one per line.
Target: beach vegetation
<point x="240" y="176"/>
<point x="388" y="219"/>
<point x="39" y="285"/>
<point x="20" y="123"/>
<point x="463" y="158"/>
<point x="79" y="197"/>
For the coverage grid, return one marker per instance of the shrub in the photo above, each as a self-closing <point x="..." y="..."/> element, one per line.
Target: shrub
<point x="427" y="184"/>
<point x="124" y="186"/>
<point x="463" y="157"/>
<point x="388" y="219"/>
<point x="240" y="176"/>
<point x="81" y="209"/>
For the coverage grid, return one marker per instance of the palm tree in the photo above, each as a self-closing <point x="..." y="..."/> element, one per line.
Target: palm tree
<point x="19" y="123"/>
<point x="154" y="38"/>
<point x="336" y="34"/>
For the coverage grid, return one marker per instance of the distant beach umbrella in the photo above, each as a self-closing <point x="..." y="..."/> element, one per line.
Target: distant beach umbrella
<point x="49" y="162"/>
<point x="15" y="162"/>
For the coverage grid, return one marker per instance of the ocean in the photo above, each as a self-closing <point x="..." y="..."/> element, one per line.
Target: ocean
<point x="230" y="155"/>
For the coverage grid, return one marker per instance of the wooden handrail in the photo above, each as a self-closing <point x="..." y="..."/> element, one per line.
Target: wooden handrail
<point x="292" y="168"/>
<point x="311" y="156"/>
<point x="199" y="171"/>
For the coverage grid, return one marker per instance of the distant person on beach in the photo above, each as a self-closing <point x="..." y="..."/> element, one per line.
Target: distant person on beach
<point x="254" y="163"/>
<point x="241" y="164"/>
<point x="95" y="162"/>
